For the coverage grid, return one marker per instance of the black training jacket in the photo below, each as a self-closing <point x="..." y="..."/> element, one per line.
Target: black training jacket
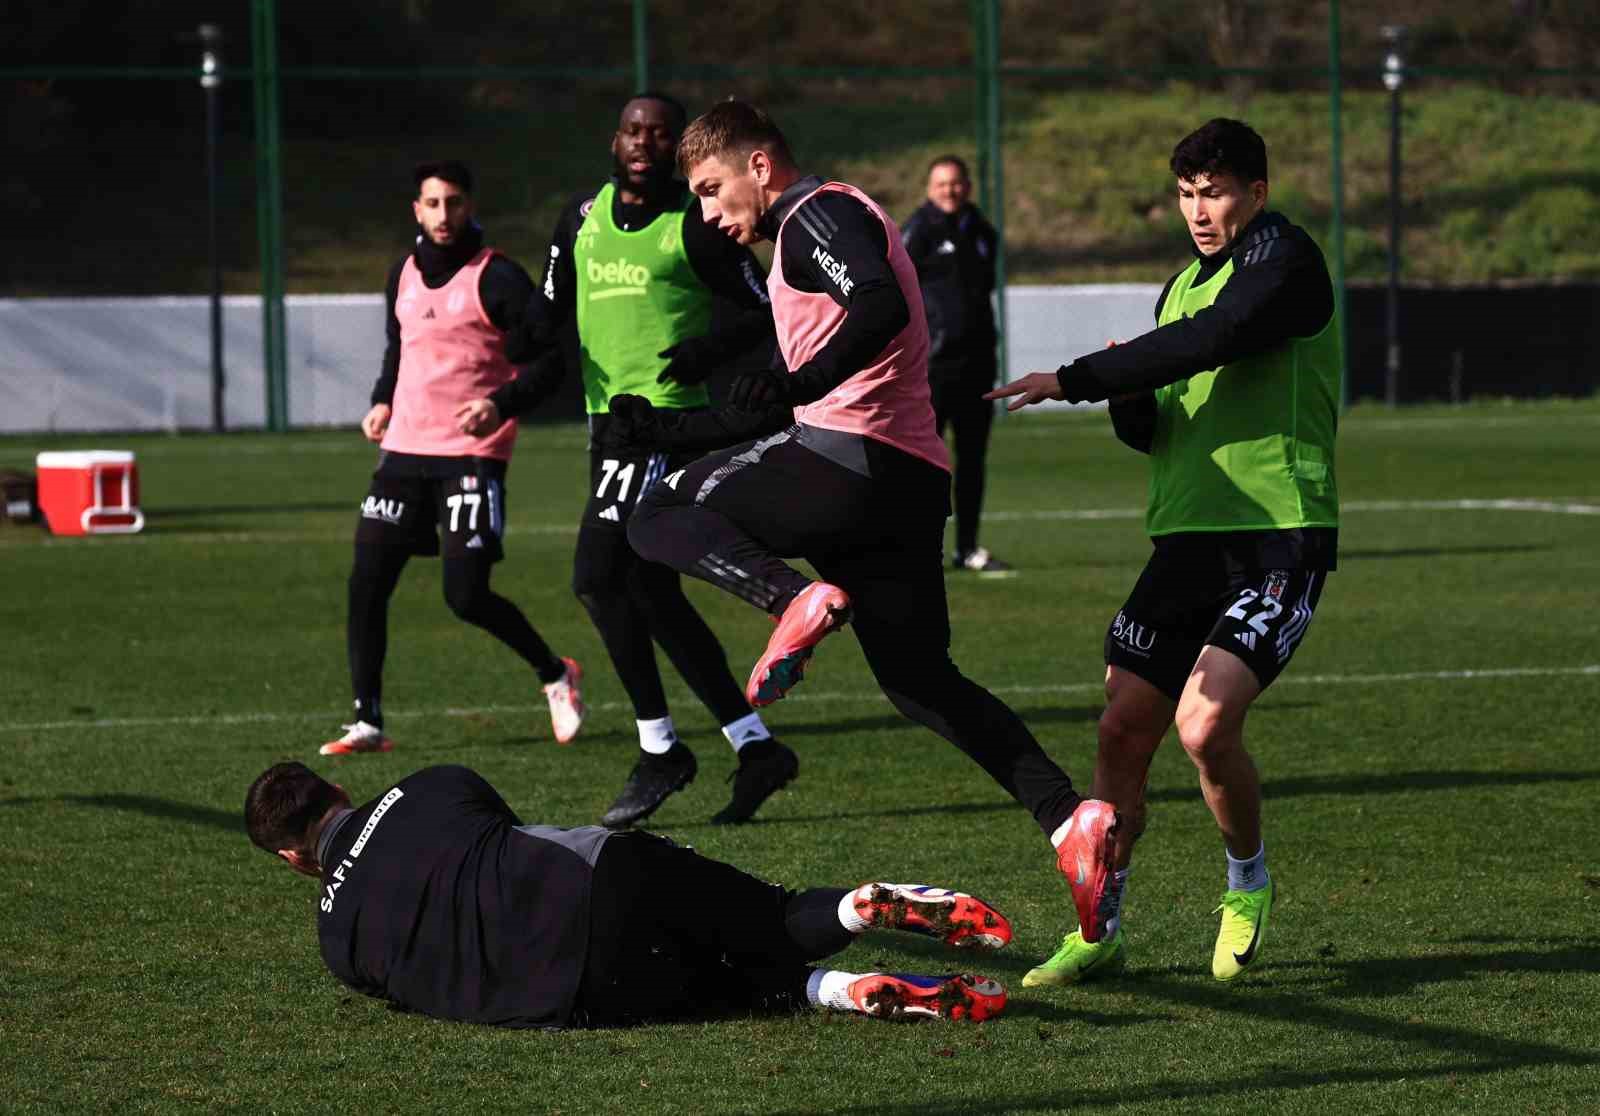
<point x="955" y="258"/>
<point x="434" y="900"/>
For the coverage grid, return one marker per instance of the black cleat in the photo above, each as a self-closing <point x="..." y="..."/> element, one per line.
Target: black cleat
<point x="764" y="767"/>
<point x="651" y="780"/>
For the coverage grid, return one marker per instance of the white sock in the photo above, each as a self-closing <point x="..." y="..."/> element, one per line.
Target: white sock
<point x="830" y="988"/>
<point x="657" y="736"/>
<point x="746" y="730"/>
<point x="1114" y="923"/>
<point x="848" y="918"/>
<point x="1248" y="875"/>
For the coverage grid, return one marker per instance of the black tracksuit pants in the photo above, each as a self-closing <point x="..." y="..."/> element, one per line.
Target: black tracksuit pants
<point x="958" y="403"/>
<point x="636" y="604"/>
<point x="733" y="516"/>
<point x="677" y="935"/>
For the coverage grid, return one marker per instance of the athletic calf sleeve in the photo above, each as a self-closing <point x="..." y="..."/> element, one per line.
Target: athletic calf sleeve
<point x="811" y="919"/>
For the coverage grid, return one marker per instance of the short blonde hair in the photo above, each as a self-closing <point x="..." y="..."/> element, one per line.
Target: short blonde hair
<point x="730" y="131"/>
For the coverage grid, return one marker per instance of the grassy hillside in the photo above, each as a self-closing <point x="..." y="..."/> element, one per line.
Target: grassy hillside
<point x="1497" y="186"/>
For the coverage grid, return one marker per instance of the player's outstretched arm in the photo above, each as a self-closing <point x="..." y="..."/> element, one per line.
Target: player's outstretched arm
<point x="1033" y="388"/>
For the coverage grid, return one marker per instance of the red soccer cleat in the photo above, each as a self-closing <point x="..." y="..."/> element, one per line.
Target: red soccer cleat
<point x="818" y="609"/>
<point x="907" y="996"/>
<point x="954" y="917"/>
<point x="1083" y="853"/>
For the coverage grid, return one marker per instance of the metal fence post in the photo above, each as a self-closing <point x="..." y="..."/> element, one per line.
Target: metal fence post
<point x="997" y="173"/>
<point x="641" y="45"/>
<point x="1336" y="223"/>
<point x="980" y="99"/>
<point x="269" y="213"/>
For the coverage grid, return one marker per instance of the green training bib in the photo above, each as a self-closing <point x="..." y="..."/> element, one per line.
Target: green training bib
<point x="1247" y="446"/>
<point x="637" y="294"/>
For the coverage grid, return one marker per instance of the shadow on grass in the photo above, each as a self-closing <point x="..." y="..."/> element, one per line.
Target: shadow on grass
<point x="1273" y="789"/>
<point x="1469" y="1052"/>
<point x="1438" y="551"/>
<point x="889" y="721"/>
<point x="1397" y="782"/>
<point x="1380" y="978"/>
<point x="162" y="808"/>
<point x="947" y="808"/>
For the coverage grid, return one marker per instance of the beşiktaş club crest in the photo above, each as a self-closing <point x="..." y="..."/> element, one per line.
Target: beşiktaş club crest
<point x="1277" y="581"/>
<point x="469" y="484"/>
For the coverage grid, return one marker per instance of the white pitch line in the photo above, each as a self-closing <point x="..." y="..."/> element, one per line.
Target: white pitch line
<point x="823" y="698"/>
<point x="1553" y="507"/>
<point x="1549" y="507"/>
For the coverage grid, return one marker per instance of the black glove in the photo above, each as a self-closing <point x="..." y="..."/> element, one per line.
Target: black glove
<point x="754" y="390"/>
<point x="633" y="420"/>
<point x="689" y="362"/>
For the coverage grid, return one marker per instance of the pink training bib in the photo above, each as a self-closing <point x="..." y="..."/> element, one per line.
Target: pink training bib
<point x="450" y="354"/>
<point x="889" y="400"/>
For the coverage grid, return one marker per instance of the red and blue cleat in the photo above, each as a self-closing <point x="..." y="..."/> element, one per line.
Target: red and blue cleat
<point x="954" y="917"/>
<point x="907" y="996"/>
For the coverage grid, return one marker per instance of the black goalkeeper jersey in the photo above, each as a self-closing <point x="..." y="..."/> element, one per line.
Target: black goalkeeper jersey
<point x="435" y="898"/>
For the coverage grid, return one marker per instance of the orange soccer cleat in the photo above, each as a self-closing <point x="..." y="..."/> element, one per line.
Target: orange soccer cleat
<point x="818" y="609"/>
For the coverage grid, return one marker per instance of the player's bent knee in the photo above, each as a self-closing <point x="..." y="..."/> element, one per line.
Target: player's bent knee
<point x="1208" y="730"/>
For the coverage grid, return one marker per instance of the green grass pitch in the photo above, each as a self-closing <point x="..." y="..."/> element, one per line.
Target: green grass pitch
<point x="1429" y="762"/>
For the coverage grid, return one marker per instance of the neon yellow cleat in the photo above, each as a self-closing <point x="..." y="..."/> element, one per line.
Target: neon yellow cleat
<point x="1244" y="924"/>
<point x="1079" y="960"/>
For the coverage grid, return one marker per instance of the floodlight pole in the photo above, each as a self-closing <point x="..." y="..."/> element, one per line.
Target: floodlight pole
<point x="1394" y="77"/>
<point x="210" y="36"/>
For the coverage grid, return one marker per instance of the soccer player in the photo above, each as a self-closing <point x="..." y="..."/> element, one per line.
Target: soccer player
<point x="435" y="897"/>
<point x="851" y="475"/>
<point x="1235" y="397"/>
<point x="953" y="248"/>
<point x="444" y="411"/>
<point x="638" y="269"/>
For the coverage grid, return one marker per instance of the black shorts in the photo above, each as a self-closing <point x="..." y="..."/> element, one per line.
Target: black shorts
<point x="1179" y="606"/>
<point x="413" y="498"/>
<point x="616" y="482"/>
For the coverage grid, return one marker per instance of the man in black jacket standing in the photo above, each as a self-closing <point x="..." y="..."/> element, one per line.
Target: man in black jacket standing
<point x="953" y="248"/>
<point x="435" y="897"/>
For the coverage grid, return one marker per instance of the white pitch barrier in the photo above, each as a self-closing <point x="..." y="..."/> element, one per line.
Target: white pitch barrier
<point x="93" y="364"/>
<point x="100" y="364"/>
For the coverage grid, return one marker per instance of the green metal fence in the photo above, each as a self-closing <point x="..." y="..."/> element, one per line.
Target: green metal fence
<point x="984" y="73"/>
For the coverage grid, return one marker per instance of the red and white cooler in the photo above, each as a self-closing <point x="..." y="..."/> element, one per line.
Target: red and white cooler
<point x="89" y="492"/>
